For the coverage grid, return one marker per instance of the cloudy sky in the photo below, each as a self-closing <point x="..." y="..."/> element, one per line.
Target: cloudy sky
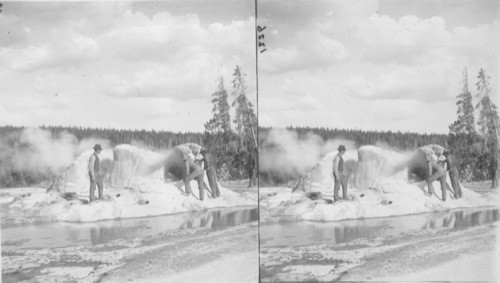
<point x="375" y="65"/>
<point x="129" y="65"/>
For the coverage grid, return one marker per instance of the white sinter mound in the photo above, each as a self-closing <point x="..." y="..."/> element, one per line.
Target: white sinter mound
<point x="381" y="195"/>
<point x="138" y="191"/>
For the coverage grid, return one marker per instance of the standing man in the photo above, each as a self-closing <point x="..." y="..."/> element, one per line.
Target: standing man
<point x="209" y="164"/>
<point x="94" y="173"/>
<point x="451" y="167"/>
<point x="436" y="172"/>
<point x="338" y="174"/>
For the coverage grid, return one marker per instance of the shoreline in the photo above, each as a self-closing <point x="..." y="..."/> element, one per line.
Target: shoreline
<point x="287" y="219"/>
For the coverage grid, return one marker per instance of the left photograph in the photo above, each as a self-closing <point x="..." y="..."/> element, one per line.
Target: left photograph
<point x="128" y="147"/>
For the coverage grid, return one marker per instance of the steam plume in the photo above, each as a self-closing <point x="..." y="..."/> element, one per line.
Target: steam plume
<point x="285" y="152"/>
<point x="39" y="151"/>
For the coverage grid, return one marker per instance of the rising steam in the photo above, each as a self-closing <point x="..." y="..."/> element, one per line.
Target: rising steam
<point x="39" y="151"/>
<point x="283" y="151"/>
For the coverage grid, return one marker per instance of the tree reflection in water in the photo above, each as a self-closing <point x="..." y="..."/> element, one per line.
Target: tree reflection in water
<point x="306" y="232"/>
<point x="214" y="219"/>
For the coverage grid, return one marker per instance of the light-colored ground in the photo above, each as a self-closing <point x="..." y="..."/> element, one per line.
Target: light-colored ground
<point x="444" y="255"/>
<point x="241" y="267"/>
<point x="483" y="265"/>
<point x="388" y="197"/>
<point x="416" y="256"/>
<point x="182" y="254"/>
<point x="149" y="197"/>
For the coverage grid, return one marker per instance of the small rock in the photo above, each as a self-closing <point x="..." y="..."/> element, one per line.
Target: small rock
<point x="69" y="196"/>
<point x="313" y="195"/>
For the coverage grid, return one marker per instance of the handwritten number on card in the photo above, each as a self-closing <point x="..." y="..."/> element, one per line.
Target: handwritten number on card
<point x="260" y="39"/>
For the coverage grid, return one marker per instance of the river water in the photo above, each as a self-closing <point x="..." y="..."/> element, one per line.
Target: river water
<point x="62" y="234"/>
<point x="304" y="233"/>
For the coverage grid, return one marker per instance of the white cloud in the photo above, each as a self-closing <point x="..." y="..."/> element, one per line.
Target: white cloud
<point x="113" y="64"/>
<point x="310" y="50"/>
<point x="398" y="62"/>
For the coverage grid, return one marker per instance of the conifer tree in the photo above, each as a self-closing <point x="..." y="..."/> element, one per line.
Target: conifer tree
<point x="218" y="136"/>
<point x="462" y="139"/>
<point x="245" y="124"/>
<point x="488" y="126"/>
<point x="465" y="112"/>
<point x="221" y="120"/>
<point x="245" y="120"/>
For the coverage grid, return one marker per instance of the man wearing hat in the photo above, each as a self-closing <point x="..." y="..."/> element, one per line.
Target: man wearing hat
<point x="338" y="174"/>
<point x="451" y="167"/>
<point x="94" y="173"/>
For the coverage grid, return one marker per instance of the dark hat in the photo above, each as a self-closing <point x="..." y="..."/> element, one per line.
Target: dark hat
<point x="446" y="151"/>
<point x="341" y="148"/>
<point x="203" y="150"/>
<point x="97" y="147"/>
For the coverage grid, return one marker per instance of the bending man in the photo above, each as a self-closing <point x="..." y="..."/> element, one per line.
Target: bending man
<point x="436" y="172"/>
<point x="193" y="171"/>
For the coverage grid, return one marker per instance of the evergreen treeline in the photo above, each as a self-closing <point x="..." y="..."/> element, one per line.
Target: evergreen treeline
<point x="396" y="140"/>
<point x="151" y="138"/>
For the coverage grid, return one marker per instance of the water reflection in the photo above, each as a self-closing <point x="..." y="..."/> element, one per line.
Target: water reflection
<point x="307" y="233"/>
<point x="462" y="219"/>
<point x="215" y="219"/>
<point x="64" y="234"/>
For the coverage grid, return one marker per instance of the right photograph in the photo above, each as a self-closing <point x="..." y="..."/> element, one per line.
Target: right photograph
<point x="378" y="140"/>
